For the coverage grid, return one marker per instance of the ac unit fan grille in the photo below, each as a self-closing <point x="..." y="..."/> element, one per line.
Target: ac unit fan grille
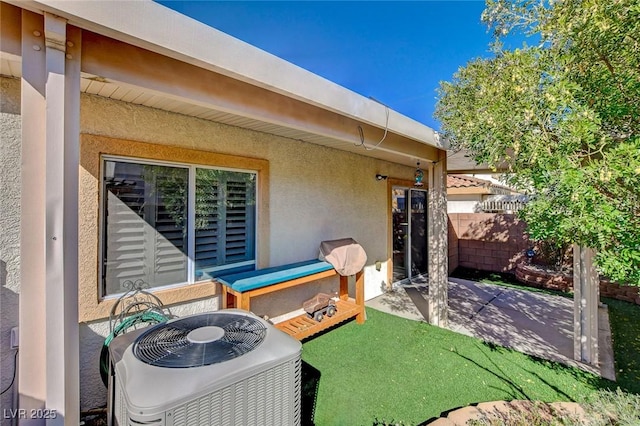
<point x="167" y="345"/>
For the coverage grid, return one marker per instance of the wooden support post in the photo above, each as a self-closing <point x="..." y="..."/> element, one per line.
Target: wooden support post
<point x="344" y="287"/>
<point x="244" y="302"/>
<point x="360" y="318"/>
<point x="49" y="343"/>
<point x="224" y="297"/>
<point x="437" y="242"/>
<point x="585" y="301"/>
<point x="32" y="356"/>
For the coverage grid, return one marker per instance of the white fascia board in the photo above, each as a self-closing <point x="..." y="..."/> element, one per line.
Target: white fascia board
<point x="152" y="26"/>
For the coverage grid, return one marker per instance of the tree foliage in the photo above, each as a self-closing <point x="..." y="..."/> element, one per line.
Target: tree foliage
<point x="563" y="117"/>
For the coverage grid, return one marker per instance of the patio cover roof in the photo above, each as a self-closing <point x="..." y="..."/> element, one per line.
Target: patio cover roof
<point x="463" y="184"/>
<point x="269" y="94"/>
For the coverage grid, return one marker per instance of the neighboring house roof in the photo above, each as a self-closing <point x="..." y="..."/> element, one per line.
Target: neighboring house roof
<point x="464" y="184"/>
<point x="228" y="80"/>
<point x="463" y="181"/>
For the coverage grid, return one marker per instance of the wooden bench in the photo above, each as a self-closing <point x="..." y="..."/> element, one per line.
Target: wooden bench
<point x="238" y="290"/>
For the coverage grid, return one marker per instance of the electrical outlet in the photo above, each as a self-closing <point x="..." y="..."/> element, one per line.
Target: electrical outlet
<point x="15" y="338"/>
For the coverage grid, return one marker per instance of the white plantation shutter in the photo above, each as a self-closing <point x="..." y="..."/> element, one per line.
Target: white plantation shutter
<point x="225" y="220"/>
<point x="170" y="238"/>
<point x="239" y="221"/>
<point x="145" y="234"/>
<point x="145" y="223"/>
<point x="125" y="245"/>
<point x="207" y="226"/>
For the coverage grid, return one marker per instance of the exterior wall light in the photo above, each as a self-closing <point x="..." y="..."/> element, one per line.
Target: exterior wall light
<point x="418" y="175"/>
<point x="381" y="177"/>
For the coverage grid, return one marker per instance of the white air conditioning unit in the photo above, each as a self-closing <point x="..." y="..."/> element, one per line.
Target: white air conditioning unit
<point x="221" y="368"/>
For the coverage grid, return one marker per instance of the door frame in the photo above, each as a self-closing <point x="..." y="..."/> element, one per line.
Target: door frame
<point x="391" y="182"/>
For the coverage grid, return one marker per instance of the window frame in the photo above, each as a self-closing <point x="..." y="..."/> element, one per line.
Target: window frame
<point x="93" y="306"/>
<point x="191" y="214"/>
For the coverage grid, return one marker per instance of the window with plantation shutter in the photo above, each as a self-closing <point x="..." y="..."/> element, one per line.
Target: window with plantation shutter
<point x="225" y="221"/>
<point x="239" y="221"/>
<point x="207" y="227"/>
<point x="148" y="233"/>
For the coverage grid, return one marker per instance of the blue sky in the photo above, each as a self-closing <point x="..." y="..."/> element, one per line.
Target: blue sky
<point x="396" y="52"/>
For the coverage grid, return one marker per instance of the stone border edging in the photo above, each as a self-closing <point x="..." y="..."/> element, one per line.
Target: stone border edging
<point x="461" y="416"/>
<point x="613" y="290"/>
<point x="541" y="278"/>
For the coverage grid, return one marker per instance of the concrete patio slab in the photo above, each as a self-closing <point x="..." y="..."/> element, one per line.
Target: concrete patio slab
<point x="536" y="305"/>
<point x="398" y="303"/>
<point x="474" y="293"/>
<point x="540" y="337"/>
<point x="537" y="324"/>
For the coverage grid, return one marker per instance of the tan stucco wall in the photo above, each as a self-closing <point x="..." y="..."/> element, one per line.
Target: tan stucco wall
<point x="315" y="194"/>
<point x="10" y="133"/>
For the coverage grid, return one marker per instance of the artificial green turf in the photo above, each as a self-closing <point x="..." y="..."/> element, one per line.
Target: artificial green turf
<point x="624" y="318"/>
<point x="393" y="369"/>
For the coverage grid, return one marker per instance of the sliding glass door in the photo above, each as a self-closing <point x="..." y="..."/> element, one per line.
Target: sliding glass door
<point x="409" y="233"/>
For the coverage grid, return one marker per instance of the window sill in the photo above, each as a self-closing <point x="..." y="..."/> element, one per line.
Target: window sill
<point x="101" y="309"/>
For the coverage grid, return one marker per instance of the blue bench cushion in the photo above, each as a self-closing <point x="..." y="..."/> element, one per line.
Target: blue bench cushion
<point x="245" y="281"/>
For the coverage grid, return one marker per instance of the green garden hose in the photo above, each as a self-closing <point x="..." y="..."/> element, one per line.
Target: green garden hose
<point x="146" y="317"/>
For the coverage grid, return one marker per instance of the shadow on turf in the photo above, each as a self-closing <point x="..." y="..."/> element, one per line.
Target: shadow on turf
<point x="576" y="373"/>
<point x="517" y="392"/>
<point x="513" y="389"/>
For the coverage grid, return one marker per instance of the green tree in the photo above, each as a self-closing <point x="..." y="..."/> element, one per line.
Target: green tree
<point x="563" y="117"/>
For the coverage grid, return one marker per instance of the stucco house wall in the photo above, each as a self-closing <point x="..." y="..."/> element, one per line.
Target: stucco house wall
<point x="10" y="180"/>
<point x="315" y="193"/>
<point x="463" y="203"/>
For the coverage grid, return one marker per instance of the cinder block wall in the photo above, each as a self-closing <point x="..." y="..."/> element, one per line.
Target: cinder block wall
<point x="496" y="242"/>
<point x="487" y="241"/>
<point x="453" y="246"/>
